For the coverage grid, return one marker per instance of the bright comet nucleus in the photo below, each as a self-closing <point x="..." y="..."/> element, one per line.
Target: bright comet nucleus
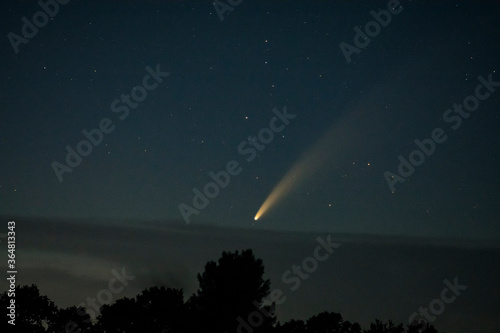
<point x="343" y="136"/>
<point x="284" y="186"/>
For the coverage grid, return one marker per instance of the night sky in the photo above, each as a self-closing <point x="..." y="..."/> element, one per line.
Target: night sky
<point x="213" y="90"/>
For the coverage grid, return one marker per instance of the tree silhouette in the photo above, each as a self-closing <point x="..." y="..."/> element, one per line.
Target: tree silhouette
<point x="34" y="312"/>
<point x="231" y="288"/>
<point x="162" y="310"/>
<point x="121" y="316"/>
<point x="389" y="327"/>
<point x="229" y="299"/>
<point x="157" y="309"/>
<point x="421" y="328"/>
<point x="292" y="326"/>
<point x="71" y="319"/>
<point x="330" y="322"/>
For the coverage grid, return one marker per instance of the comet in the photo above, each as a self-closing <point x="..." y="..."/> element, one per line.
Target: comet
<point x="283" y="187"/>
<point x="299" y="172"/>
<point x="332" y="148"/>
<point x="360" y="131"/>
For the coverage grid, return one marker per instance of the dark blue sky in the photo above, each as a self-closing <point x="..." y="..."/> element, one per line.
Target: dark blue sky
<point x="350" y="126"/>
<point x="225" y="79"/>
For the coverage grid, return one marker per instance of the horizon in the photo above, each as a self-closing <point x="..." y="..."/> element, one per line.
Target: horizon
<point x="152" y="136"/>
<point x="103" y="248"/>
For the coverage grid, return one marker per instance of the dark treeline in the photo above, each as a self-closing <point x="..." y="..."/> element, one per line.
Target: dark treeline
<point x="232" y="297"/>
